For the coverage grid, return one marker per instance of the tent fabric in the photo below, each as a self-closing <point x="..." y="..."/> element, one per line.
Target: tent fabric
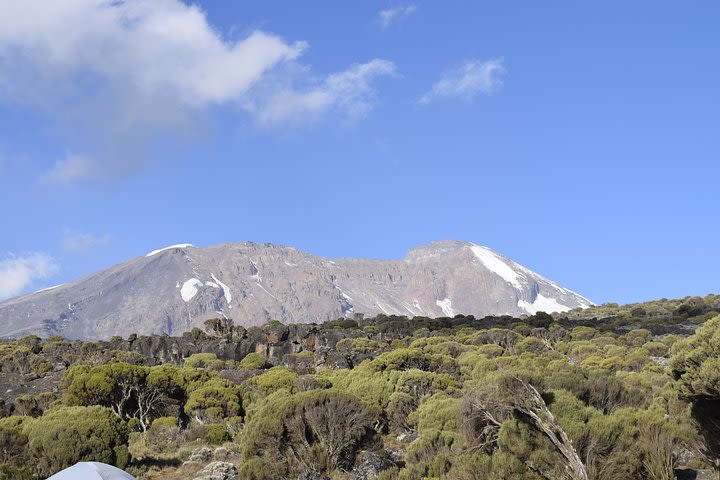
<point x="92" y="471"/>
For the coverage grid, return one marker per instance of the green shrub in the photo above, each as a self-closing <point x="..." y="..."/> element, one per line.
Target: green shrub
<point x="165" y="422"/>
<point x="216" y="433"/>
<point x="13" y="448"/>
<point x="8" y="472"/>
<point x="215" y="400"/>
<point x="273" y="380"/>
<point x="253" y="361"/>
<point x="67" y="435"/>
<point x="204" y="360"/>
<point x="319" y="430"/>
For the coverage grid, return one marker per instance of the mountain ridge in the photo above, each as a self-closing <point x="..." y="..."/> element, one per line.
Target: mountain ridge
<point x="172" y="289"/>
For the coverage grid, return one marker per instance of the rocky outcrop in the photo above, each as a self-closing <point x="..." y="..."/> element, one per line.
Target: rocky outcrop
<point x="218" y="471"/>
<point x="280" y="344"/>
<point x="312" y="476"/>
<point x="370" y="465"/>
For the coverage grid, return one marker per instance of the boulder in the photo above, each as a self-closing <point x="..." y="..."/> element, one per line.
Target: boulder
<point x="200" y="455"/>
<point x="312" y="476"/>
<point x="218" y="471"/>
<point x="369" y="466"/>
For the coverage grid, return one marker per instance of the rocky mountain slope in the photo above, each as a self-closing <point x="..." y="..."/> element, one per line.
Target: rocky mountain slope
<point x="176" y="288"/>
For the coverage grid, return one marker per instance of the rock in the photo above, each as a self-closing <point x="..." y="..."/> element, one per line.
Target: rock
<point x="369" y="466"/>
<point x="660" y="361"/>
<point x="221" y="453"/>
<point x="312" y="476"/>
<point x="407" y="437"/>
<point x="199" y="455"/>
<point x="218" y="471"/>
<point x="397" y="456"/>
<point x="224" y="453"/>
<point x="690" y="474"/>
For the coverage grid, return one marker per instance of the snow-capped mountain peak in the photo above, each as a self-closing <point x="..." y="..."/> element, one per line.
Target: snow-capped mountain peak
<point x="173" y="289"/>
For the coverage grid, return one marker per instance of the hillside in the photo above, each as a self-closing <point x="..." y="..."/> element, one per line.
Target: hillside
<point x="388" y="397"/>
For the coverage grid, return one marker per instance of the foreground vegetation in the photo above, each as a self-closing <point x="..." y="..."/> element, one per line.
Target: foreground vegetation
<point x="605" y="394"/>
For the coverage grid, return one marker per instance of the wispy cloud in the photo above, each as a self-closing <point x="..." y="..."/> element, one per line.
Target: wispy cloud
<point x="18" y="273"/>
<point x="82" y="243"/>
<point x="349" y="92"/>
<point x="472" y="78"/>
<point x="386" y="17"/>
<point x="120" y="77"/>
<point x="71" y="168"/>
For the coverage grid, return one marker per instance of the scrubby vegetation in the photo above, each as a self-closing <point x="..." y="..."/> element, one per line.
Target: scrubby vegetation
<point x="606" y="393"/>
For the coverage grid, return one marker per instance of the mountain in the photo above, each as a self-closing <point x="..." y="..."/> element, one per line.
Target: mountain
<point x="174" y="289"/>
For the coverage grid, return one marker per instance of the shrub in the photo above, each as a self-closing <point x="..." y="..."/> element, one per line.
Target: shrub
<point x="319" y="430"/>
<point x="158" y="442"/>
<point x="215" y="400"/>
<point x="372" y="388"/>
<point x="273" y="380"/>
<point x="67" y="435"/>
<point x="8" y="472"/>
<point x="204" y="360"/>
<point x="165" y="422"/>
<point x="253" y="361"/>
<point x="216" y="433"/>
<point x="13" y="445"/>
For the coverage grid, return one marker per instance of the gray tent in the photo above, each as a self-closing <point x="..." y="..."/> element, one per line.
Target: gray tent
<point x="92" y="471"/>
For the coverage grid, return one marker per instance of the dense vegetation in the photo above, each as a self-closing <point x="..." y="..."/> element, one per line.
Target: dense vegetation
<point x="606" y="393"/>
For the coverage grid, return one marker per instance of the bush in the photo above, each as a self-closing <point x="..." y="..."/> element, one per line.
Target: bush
<point x="216" y="433"/>
<point x="253" y="361"/>
<point x="13" y="445"/>
<point x="159" y="442"/>
<point x="8" y="472"/>
<point x="215" y="400"/>
<point x="273" y="380"/>
<point x="208" y="361"/>
<point x="165" y="422"/>
<point x="318" y="430"/>
<point x="67" y="435"/>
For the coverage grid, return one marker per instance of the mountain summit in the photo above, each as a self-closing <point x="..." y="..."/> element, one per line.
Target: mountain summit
<point x="174" y="289"/>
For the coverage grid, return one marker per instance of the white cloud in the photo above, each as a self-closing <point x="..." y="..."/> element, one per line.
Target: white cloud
<point x="471" y="79"/>
<point x="152" y="45"/>
<point x="71" y="168"/>
<point x="81" y="243"/>
<point x="119" y="77"/>
<point x="18" y="273"/>
<point x="349" y="91"/>
<point x="386" y="17"/>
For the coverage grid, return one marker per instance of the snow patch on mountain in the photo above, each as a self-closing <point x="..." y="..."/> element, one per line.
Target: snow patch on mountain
<point x="226" y="290"/>
<point x="496" y="265"/>
<point x="543" y="304"/>
<point x="180" y="245"/>
<point x="49" y="288"/>
<point x="265" y="290"/>
<point x="446" y="307"/>
<point x="189" y="289"/>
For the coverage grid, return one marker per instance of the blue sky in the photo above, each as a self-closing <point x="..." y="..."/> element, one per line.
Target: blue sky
<point x="579" y="140"/>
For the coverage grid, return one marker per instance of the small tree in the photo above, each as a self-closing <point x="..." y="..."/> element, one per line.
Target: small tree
<point x="696" y="367"/>
<point x="509" y="396"/>
<point x="214" y="401"/>
<point x="318" y="430"/>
